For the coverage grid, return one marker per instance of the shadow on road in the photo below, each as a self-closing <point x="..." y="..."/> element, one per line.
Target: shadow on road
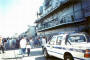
<point x="36" y="53"/>
<point x="49" y="58"/>
<point x="12" y="58"/>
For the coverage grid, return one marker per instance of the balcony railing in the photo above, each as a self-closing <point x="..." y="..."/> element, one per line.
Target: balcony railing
<point x="66" y="19"/>
<point x="77" y="16"/>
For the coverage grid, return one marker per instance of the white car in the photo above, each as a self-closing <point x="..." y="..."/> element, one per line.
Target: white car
<point x="69" y="46"/>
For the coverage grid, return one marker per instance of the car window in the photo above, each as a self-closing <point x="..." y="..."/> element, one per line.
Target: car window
<point x="59" y="40"/>
<point x="76" y="39"/>
<point x="53" y="41"/>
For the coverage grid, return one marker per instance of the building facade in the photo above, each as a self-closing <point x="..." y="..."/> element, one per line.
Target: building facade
<point x="60" y="16"/>
<point x="31" y="31"/>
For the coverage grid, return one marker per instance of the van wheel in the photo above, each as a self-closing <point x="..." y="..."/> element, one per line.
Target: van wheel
<point x="68" y="57"/>
<point x="45" y="53"/>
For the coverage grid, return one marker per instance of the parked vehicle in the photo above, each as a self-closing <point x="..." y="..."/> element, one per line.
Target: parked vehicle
<point x="69" y="46"/>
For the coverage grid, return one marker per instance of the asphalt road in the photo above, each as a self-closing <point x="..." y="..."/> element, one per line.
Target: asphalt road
<point x="50" y="58"/>
<point x="36" y="54"/>
<point x="39" y="56"/>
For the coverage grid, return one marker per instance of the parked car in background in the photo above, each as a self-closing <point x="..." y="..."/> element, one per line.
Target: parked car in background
<point x="69" y="46"/>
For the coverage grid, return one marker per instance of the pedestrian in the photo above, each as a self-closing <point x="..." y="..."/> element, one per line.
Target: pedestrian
<point x="36" y="43"/>
<point x="23" y="45"/>
<point x="28" y="47"/>
<point x="40" y="42"/>
<point x="1" y="45"/>
<point x="32" y="43"/>
<point x="4" y="43"/>
<point x="43" y="41"/>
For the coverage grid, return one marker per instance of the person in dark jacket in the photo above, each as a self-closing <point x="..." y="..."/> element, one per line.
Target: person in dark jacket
<point x="1" y="45"/>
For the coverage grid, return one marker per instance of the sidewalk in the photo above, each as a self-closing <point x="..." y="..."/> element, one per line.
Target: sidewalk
<point x="14" y="55"/>
<point x="10" y="55"/>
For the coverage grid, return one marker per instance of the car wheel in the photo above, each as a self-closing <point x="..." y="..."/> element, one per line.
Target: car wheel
<point x="45" y="53"/>
<point x="68" y="57"/>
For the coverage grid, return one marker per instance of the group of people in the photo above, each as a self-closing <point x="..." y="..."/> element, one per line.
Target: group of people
<point x="25" y="46"/>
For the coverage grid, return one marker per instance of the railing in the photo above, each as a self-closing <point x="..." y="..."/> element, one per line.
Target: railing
<point x="64" y="20"/>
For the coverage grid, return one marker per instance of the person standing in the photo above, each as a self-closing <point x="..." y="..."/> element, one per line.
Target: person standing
<point x="28" y="47"/>
<point x="4" y="43"/>
<point x="1" y="45"/>
<point x="23" y="43"/>
<point x="43" y="41"/>
<point x="40" y="41"/>
<point x="32" y="43"/>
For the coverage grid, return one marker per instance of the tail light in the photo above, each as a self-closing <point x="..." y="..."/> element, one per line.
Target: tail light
<point x="87" y="53"/>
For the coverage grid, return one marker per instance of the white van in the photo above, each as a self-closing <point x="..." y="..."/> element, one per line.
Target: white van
<point x="69" y="46"/>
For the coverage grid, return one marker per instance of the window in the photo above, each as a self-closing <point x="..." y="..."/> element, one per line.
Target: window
<point x="84" y="4"/>
<point x="77" y="6"/>
<point x="88" y="3"/>
<point x="59" y="40"/>
<point x="47" y="3"/>
<point x="46" y="25"/>
<point x="86" y="7"/>
<point x="53" y="41"/>
<point x="62" y="20"/>
<point x="76" y="39"/>
<point x="78" y="15"/>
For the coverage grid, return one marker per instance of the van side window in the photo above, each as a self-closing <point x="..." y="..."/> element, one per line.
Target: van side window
<point x="53" y="41"/>
<point x="76" y="39"/>
<point x="59" y="40"/>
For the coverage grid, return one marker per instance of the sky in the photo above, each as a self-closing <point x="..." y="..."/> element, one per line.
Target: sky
<point x="16" y="15"/>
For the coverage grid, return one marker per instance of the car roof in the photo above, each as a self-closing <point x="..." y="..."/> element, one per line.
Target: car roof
<point x="78" y="34"/>
<point x="64" y="34"/>
<point x="60" y="35"/>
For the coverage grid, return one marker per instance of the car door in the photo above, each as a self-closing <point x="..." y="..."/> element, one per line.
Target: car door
<point x="58" y="49"/>
<point x="50" y="45"/>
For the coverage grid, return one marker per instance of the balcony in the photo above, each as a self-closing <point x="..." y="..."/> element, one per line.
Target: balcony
<point x="53" y="9"/>
<point x="65" y="20"/>
<point x="51" y="27"/>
